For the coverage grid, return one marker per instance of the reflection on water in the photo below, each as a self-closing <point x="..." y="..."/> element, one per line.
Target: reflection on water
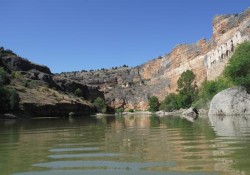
<point x="131" y="145"/>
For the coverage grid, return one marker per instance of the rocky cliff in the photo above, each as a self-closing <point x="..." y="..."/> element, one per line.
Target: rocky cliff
<point x="130" y="88"/>
<point x="43" y="94"/>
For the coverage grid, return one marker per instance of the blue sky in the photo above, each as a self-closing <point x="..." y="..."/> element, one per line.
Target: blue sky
<point x="69" y="35"/>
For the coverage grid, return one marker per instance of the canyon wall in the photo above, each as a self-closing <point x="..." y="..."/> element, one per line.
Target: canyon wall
<point x="130" y="88"/>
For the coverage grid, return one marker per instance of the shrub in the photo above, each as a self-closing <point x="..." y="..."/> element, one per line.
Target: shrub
<point x="119" y="110"/>
<point x="238" y="69"/>
<point x="9" y="100"/>
<point x="16" y="74"/>
<point x="209" y="89"/>
<point x="4" y="100"/>
<point x="3" y="77"/>
<point x="170" y="103"/>
<point x="130" y="110"/>
<point x="100" y="105"/>
<point x="153" y="104"/>
<point x="78" y="92"/>
<point x="14" y="100"/>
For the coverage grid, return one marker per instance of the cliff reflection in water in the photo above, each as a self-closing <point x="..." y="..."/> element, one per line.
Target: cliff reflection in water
<point x="126" y="145"/>
<point x="230" y="126"/>
<point x="233" y="140"/>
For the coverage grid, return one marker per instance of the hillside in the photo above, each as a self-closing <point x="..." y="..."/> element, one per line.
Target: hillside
<point x="130" y="88"/>
<point x="45" y="94"/>
<point x="42" y="94"/>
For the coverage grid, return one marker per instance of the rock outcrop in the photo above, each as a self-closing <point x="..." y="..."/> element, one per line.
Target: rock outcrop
<point x="43" y="94"/>
<point x="11" y="62"/>
<point x="130" y="88"/>
<point x="232" y="101"/>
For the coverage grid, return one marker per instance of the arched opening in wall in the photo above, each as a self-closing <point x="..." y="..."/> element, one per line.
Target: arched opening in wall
<point x="222" y="56"/>
<point x="232" y="48"/>
<point x="227" y="53"/>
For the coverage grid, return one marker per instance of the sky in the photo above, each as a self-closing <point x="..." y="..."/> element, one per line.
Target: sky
<point x="74" y="35"/>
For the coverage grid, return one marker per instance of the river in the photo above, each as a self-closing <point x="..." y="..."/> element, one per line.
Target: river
<point x="132" y="145"/>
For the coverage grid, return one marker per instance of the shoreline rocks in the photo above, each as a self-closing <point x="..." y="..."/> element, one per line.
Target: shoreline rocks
<point x="232" y="101"/>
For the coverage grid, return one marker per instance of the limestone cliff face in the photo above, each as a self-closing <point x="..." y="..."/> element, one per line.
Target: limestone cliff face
<point x="130" y="87"/>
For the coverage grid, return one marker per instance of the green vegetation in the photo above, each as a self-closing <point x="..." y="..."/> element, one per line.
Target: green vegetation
<point x="238" y="70"/>
<point x="131" y="110"/>
<point x="236" y="73"/>
<point x="100" y="105"/>
<point x="9" y="98"/>
<point x="3" y="77"/>
<point x="187" y="93"/>
<point x="119" y="110"/>
<point x="16" y="74"/>
<point x="153" y="104"/>
<point x="170" y="103"/>
<point x="209" y="89"/>
<point x="78" y="92"/>
<point x="14" y="100"/>
<point x="187" y="89"/>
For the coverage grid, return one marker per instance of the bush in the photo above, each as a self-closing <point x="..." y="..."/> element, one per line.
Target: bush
<point x="4" y="100"/>
<point x="238" y="70"/>
<point x="9" y="100"/>
<point x="153" y="104"/>
<point x="119" y="110"/>
<point x="130" y="110"/>
<point x="14" y="100"/>
<point x="3" y="77"/>
<point x="100" y="105"/>
<point x="16" y="74"/>
<point x="170" y="103"/>
<point x="209" y="89"/>
<point x="78" y="92"/>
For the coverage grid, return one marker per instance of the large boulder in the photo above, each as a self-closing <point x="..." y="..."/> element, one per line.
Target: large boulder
<point x="232" y="101"/>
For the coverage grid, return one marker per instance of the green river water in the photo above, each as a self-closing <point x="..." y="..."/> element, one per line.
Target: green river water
<point x="132" y="145"/>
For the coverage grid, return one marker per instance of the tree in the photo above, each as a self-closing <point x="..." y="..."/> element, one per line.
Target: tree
<point x="238" y="69"/>
<point x="4" y="100"/>
<point x="153" y="104"/>
<point x="187" y="89"/>
<point x="3" y="77"/>
<point x="14" y="100"/>
<point x="100" y="105"/>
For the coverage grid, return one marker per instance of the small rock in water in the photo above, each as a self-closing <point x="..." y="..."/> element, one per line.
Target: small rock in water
<point x="191" y="114"/>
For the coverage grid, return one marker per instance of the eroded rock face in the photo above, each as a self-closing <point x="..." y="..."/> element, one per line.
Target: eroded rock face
<point x="232" y="101"/>
<point x="12" y="62"/>
<point x="69" y="86"/>
<point x="130" y="87"/>
<point x="43" y="94"/>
